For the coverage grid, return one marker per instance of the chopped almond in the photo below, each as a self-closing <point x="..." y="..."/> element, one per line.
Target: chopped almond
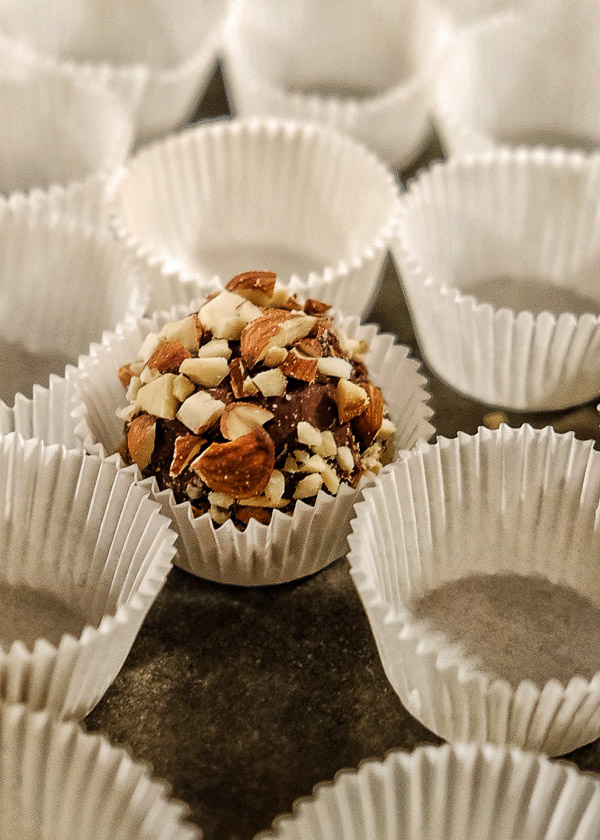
<point x="299" y="366"/>
<point x="256" y="286"/>
<point x="368" y="422"/>
<point x="351" y="400"/>
<point x="206" y="372"/>
<point x="185" y="449"/>
<point x="157" y="397"/>
<point x="276" y="328"/>
<point x="334" y="366"/>
<point x="271" y="383"/>
<point x="237" y="375"/>
<point x="184" y="330"/>
<point x="261" y="514"/>
<point x="140" y="439"/>
<point x="200" y="411"/>
<point x="310" y="347"/>
<point x="316" y="307"/>
<point x="168" y="356"/>
<point x="125" y="373"/>
<point x="240" y="468"/>
<point x="239" y="418"/>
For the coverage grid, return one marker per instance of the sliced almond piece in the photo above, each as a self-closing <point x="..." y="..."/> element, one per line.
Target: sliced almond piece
<point x="331" y="480"/>
<point x="184" y="330"/>
<point x="249" y="389"/>
<point x="282" y="299"/>
<point x="200" y="411"/>
<point x="334" y="366"/>
<point x="276" y="328"/>
<point x="386" y="431"/>
<point x="219" y="515"/>
<point x="220" y="316"/>
<point x="239" y="418"/>
<point x="215" y="347"/>
<point x="345" y="458"/>
<point x="157" y="397"/>
<point x="237" y="375"/>
<point x="125" y="374"/>
<point x="275" y="488"/>
<point x="315" y="464"/>
<point x="299" y="366"/>
<point x="206" y="372"/>
<point x="271" y="383"/>
<point x="316" y="307"/>
<point x="308" y="435"/>
<point x="368" y="422"/>
<point x="275" y="356"/>
<point x="168" y="356"/>
<point x="240" y="468"/>
<point x="351" y="400"/>
<point x="263" y="501"/>
<point x="183" y="387"/>
<point x="220" y="500"/>
<point x="134" y="386"/>
<point x="149" y="345"/>
<point x="140" y="439"/>
<point x="310" y="347"/>
<point x="256" y="286"/>
<point x="308" y="486"/>
<point x="186" y="448"/>
<point x="328" y="447"/>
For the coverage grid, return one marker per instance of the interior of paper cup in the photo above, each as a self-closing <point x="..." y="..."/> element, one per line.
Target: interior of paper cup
<point x="520" y="231"/>
<point x="288" y="198"/>
<point x="62" y="286"/>
<point x="55" y="131"/>
<point x="528" y="80"/>
<point x="78" y="540"/>
<point x="493" y="541"/>
<point x="311" y="47"/>
<point x="119" y="32"/>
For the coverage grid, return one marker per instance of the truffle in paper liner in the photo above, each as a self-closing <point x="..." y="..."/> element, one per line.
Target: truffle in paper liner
<point x="516" y="502"/>
<point x="85" y="553"/>
<point x="367" y="74"/>
<point x="60" y="783"/>
<point x="289" y="547"/>
<point x="498" y="256"/>
<point x="156" y="58"/>
<point x="68" y="284"/>
<point x="530" y="77"/>
<point x="312" y="205"/>
<point x="57" y="130"/>
<point x="458" y="792"/>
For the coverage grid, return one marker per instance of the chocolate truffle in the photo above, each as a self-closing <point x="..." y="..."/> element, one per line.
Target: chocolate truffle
<point x="252" y="403"/>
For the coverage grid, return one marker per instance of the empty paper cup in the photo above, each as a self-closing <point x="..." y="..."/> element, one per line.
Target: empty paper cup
<point x="82" y="201"/>
<point x="367" y="74"/>
<point x="499" y="256"/>
<point x="461" y="792"/>
<point x="531" y="77"/>
<point x="84" y="554"/>
<point x="62" y="285"/>
<point x="290" y="546"/>
<point x="57" y="130"/>
<point x="156" y="57"/>
<point x="476" y="560"/>
<point x="300" y="200"/>
<point x="59" y="783"/>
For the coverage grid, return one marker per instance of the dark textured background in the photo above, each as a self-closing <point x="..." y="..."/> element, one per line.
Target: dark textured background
<point x="244" y="699"/>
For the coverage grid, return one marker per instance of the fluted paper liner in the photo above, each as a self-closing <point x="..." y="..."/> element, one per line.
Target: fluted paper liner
<point x="79" y="530"/>
<point x="515" y="501"/>
<point x="459" y="792"/>
<point x="57" y="130"/>
<point x="156" y="57"/>
<point x="68" y="283"/>
<point x="83" y="201"/>
<point x="531" y="76"/>
<point x="290" y="547"/>
<point x="305" y="202"/>
<point x="518" y="215"/>
<point x="61" y="783"/>
<point x="298" y="62"/>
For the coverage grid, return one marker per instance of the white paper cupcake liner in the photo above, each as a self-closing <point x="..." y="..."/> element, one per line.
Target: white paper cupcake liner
<point x="367" y="74"/>
<point x="64" y="283"/>
<point x="526" y="220"/>
<point x="156" y="57"/>
<point x="514" y="501"/>
<point x="56" y="130"/>
<point x="308" y="203"/>
<point x="530" y="77"/>
<point x="78" y="530"/>
<point x="459" y="792"/>
<point x="60" y="783"/>
<point x="46" y="415"/>
<point x="290" y="547"/>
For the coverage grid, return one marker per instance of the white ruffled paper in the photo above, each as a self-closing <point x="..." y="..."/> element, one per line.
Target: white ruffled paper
<point x="525" y="221"/>
<point x="290" y="547"/>
<point x="461" y="792"/>
<point x="55" y="129"/>
<point x="527" y="77"/>
<point x="78" y="530"/>
<point x="156" y="57"/>
<point x="367" y="74"/>
<point x="514" y="501"/>
<point x="60" y="783"/>
<point x="300" y="200"/>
